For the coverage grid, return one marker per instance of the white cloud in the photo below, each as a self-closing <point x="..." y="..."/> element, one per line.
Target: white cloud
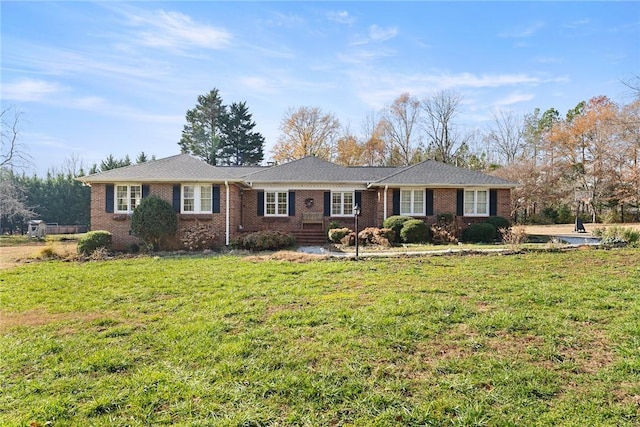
<point x="578" y="23"/>
<point x="379" y="34"/>
<point x="523" y="32"/>
<point x="29" y="90"/>
<point x="514" y="98"/>
<point x="175" y="30"/>
<point x="341" y="17"/>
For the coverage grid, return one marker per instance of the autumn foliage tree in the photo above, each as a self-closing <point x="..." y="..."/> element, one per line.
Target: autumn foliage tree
<point x="306" y="131"/>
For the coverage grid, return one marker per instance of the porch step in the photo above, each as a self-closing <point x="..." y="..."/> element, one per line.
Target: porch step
<point x="310" y="237"/>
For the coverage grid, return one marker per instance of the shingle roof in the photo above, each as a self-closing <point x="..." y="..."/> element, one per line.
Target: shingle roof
<point x="186" y="168"/>
<point x="313" y="169"/>
<point x="440" y="174"/>
<point x="179" y="168"/>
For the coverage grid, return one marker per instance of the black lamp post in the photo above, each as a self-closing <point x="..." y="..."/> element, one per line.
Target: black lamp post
<point x="356" y="214"/>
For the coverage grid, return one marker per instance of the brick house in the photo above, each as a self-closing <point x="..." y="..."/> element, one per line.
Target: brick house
<point x="301" y="197"/>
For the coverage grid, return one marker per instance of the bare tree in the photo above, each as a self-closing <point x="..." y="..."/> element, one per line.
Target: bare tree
<point x="399" y="123"/>
<point x="443" y="138"/>
<point x="306" y="131"/>
<point x="12" y="154"/>
<point x="506" y="136"/>
<point x="374" y="144"/>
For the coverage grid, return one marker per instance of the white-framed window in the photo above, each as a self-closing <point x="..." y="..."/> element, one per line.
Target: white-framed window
<point x="342" y="203"/>
<point x="128" y="197"/>
<point x="276" y="203"/>
<point x="412" y="202"/>
<point x="197" y="198"/>
<point x="476" y="202"/>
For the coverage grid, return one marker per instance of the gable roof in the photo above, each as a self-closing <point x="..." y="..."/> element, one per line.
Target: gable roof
<point x="179" y="168"/>
<point x="437" y="174"/>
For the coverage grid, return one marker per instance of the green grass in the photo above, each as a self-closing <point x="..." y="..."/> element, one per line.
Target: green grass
<point x="549" y="339"/>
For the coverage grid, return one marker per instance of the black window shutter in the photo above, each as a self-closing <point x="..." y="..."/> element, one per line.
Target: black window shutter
<point x="145" y="191"/>
<point x="108" y="199"/>
<point x="429" y="201"/>
<point x="493" y="202"/>
<point x="396" y="202"/>
<point x="260" y="203"/>
<point x="292" y="203"/>
<point x="176" y="198"/>
<point x="215" y="195"/>
<point x="327" y="203"/>
<point x="359" y="199"/>
<point x="460" y="203"/>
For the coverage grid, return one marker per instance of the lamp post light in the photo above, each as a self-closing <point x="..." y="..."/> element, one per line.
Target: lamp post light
<point x="356" y="214"/>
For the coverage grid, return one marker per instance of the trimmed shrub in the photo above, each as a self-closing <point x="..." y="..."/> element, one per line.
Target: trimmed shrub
<point x="266" y="240"/>
<point x="414" y="231"/>
<point x="199" y="237"/>
<point x="336" y="234"/>
<point x="498" y="222"/>
<point x="154" y="221"/>
<point x="395" y="223"/>
<point x="94" y="240"/>
<point x="479" y="233"/>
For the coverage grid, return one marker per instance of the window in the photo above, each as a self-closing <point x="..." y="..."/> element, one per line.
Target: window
<point x="476" y="202"/>
<point x="196" y="198"/>
<point x="412" y="202"/>
<point x="128" y="197"/>
<point x="276" y="203"/>
<point x="342" y="203"/>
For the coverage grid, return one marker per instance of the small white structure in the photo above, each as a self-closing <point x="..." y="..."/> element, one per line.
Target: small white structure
<point x="37" y="229"/>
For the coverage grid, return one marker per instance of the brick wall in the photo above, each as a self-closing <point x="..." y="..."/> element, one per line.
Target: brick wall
<point x="120" y="224"/>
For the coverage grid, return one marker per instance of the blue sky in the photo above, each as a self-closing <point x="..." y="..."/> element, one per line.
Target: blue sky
<point x="100" y="78"/>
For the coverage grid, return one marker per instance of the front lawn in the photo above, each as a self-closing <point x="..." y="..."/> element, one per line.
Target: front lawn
<point x="529" y="339"/>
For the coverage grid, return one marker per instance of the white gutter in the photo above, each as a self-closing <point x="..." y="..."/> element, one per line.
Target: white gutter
<point x="384" y="214"/>
<point x="227" y="219"/>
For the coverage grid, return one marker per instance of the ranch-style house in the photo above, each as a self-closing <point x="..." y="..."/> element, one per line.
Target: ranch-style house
<point x="300" y="197"/>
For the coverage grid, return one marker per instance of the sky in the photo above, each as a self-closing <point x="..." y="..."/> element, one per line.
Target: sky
<point x="93" y="79"/>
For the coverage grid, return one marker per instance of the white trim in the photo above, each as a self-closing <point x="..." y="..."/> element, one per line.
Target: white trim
<point x="115" y="196"/>
<point x="227" y="219"/>
<point x="276" y="192"/>
<point x="342" y="213"/>
<point x="475" y="191"/>
<point x="197" y="198"/>
<point x="411" y="201"/>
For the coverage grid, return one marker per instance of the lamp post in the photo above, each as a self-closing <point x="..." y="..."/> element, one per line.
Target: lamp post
<point x="356" y="214"/>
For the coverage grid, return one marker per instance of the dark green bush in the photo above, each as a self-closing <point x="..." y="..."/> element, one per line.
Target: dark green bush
<point x="395" y="223"/>
<point x="414" y="231"/>
<point x="154" y="221"/>
<point x="498" y="222"/>
<point x="335" y="235"/>
<point x="266" y="240"/>
<point x="479" y="233"/>
<point x="94" y="240"/>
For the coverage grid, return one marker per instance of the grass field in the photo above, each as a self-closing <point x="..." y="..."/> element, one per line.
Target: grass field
<point x="547" y="338"/>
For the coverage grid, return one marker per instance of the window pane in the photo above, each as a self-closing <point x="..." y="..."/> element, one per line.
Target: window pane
<point x="482" y="203"/>
<point x="188" y="195"/>
<point x="282" y="203"/>
<point x="348" y="204"/>
<point x="418" y="202"/>
<point x="205" y="198"/>
<point x="121" y="197"/>
<point x="271" y="203"/>
<point x="336" y="203"/>
<point x="405" y="202"/>
<point x="136" y="196"/>
<point x="469" y="202"/>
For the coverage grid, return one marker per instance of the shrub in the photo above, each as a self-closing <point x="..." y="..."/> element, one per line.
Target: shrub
<point x="334" y="224"/>
<point x="514" y="236"/>
<point x="617" y="236"/>
<point x="266" y="240"/>
<point x="395" y="223"/>
<point x="336" y="234"/>
<point x="445" y="230"/>
<point x="479" y="233"/>
<point x="414" y="231"/>
<point x="154" y="221"/>
<point x="94" y="240"/>
<point x="199" y="237"/>
<point x="498" y="222"/>
<point x="376" y="236"/>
